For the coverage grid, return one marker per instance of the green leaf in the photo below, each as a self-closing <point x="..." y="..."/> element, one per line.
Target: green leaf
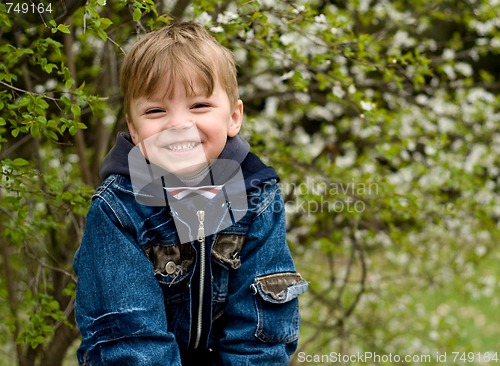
<point x="137" y="14"/>
<point x="41" y="120"/>
<point x="42" y="103"/>
<point x="165" y="19"/>
<point x="105" y="23"/>
<point x="52" y="135"/>
<point x="63" y="28"/>
<point x="66" y="100"/>
<point x="69" y="83"/>
<point x="49" y="67"/>
<point x="81" y="87"/>
<point x="75" y="109"/>
<point x="20" y="162"/>
<point x="249" y="8"/>
<point x="102" y="35"/>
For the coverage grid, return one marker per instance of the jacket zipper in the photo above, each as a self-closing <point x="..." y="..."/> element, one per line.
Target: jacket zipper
<point x="201" y="240"/>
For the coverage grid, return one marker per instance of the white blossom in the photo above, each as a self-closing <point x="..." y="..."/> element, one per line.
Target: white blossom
<point x="217" y="29"/>
<point x="338" y="91"/>
<point x="320" y="19"/>
<point x="464" y="68"/>
<point x="480" y="94"/>
<point x="204" y="19"/>
<point x="287" y="75"/>
<point x="288" y="38"/>
<point x="226" y="17"/>
<point x="367" y="105"/>
<point x="477" y="153"/>
<point x="299" y="9"/>
<point x="50" y="84"/>
<point x="446" y="125"/>
<point x="271" y="106"/>
<point x="403" y="39"/>
<point x="320" y="112"/>
<point x="483" y="27"/>
<point x="450" y="72"/>
<point x="448" y="54"/>
<point x="346" y="160"/>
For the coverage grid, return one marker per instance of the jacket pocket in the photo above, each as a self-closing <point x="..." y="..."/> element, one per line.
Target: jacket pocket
<point x="227" y="249"/>
<point x="225" y="257"/>
<point x="277" y="306"/>
<point x="171" y="264"/>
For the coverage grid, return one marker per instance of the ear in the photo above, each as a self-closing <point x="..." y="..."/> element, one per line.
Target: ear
<point x="236" y="119"/>
<point x="132" y="130"/>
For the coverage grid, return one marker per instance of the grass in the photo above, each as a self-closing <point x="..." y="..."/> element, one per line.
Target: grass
<point x="404" y="316"/>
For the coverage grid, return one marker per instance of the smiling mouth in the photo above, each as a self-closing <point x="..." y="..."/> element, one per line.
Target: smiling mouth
<point x="183" y="146"/>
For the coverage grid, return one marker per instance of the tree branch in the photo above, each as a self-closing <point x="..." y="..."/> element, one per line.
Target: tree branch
<point x="10" y="282"/>
<point x="179" y="8"/>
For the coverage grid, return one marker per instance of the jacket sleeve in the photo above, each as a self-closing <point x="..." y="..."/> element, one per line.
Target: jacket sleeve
<point x="262" y="315"/>
<point x="119" y="304"/>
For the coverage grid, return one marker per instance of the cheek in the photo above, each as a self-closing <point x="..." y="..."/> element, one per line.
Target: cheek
<point x="147" y="130"/>
<point x="217" y="133"/>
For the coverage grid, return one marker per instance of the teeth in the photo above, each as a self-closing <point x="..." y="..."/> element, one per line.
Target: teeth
<point x="182" y="146"/>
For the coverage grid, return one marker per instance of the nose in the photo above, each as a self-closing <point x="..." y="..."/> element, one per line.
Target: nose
<point x="180" y="125"/>
<point x="178" y="119"/>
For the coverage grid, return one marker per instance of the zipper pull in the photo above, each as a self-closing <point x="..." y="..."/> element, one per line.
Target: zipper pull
<point x="201" y="227"/>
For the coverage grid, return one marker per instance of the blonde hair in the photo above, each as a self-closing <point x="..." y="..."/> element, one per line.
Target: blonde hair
<point x="180" y="52"/>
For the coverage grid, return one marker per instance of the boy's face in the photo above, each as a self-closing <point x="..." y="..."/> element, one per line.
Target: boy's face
<point x="185" y="133"/>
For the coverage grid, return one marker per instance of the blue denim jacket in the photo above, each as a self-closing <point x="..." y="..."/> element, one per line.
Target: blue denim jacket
<point x="138" y="287"/>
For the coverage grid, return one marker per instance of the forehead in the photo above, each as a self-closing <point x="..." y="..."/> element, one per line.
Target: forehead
<point x="181" y="85"/>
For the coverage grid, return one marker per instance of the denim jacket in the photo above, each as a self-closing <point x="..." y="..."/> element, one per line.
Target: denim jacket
<point x="144" y="298"/>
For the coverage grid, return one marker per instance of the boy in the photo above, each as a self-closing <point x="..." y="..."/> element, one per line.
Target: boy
<point x="175" y="268"/>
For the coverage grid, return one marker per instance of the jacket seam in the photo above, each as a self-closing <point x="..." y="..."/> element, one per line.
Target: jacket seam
<point x="266" y="200"/>
<point x="105" y="196"/>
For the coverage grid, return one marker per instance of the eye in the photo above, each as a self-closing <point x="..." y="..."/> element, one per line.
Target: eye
<point x="154" y="110"/>
<point x="200" y="106"/>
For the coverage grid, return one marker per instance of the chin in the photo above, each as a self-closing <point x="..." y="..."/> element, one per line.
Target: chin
<point x="186" y="171"/>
